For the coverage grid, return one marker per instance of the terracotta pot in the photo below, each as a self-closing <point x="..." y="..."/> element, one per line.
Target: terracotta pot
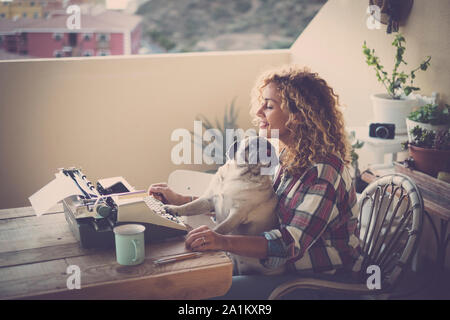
<point x="430" y="161"/>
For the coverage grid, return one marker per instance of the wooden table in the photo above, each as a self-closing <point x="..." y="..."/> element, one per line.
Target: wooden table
<point x="35" y="253"/>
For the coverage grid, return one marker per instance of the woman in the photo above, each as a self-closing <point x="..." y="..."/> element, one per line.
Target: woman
<point x="317" y="200"/>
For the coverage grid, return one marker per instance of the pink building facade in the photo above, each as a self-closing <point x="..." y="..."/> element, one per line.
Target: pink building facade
<point x="108" y="33"/>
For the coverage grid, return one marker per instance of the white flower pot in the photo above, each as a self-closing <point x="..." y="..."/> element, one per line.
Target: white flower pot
<point x="388" y="110"/>
<point x="411" y="124"/>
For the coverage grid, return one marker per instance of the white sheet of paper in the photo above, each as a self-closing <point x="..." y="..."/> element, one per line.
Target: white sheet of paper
<point x="60" y="188"/>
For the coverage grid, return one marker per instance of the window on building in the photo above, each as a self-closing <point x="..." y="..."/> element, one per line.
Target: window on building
<point x="2" y="15"/>
<point x="32" y="3"/>
<point x="103" y="53"/>
<point x="88" y="53"/>
<point x="73" y="37"/>
<point x="58" y="54"/>
<point x="103" y="37"/>
<point x="87" y="36"/>
<point x="58" y="36"/>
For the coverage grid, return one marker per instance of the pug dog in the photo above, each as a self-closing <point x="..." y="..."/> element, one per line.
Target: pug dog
<point x="241" y="195"/>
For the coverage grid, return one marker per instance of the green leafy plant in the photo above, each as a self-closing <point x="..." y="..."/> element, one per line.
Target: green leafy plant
<point x="356" y="144"/>
<point x="229" y="122"/>
<point x="162" y="38"/>
<point x="429" y="139"/>
<point x="442" y="140"/>
<point x="430" y="113"/>
<point x="395" y="83"/>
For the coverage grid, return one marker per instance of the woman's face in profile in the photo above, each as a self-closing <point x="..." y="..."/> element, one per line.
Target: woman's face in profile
<point x="271" y="116"/>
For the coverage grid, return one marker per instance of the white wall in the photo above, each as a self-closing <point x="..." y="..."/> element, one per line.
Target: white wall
<point x="113" y="116"/>
<point x="332" y="46"/>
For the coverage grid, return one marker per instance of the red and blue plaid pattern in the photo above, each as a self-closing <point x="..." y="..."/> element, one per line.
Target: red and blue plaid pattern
<point x="318" y="214"/>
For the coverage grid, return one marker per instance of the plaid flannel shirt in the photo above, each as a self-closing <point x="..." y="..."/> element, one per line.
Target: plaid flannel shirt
<point x="318" y="214"/>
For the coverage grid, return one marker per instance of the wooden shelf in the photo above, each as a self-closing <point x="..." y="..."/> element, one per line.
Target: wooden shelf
<point x="435" y="193"/>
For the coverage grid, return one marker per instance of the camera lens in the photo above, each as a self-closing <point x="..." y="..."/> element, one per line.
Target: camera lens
<point x="382" y="132"/>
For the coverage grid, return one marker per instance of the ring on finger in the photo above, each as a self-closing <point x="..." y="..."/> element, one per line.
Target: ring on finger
<point x="204" y="241"/>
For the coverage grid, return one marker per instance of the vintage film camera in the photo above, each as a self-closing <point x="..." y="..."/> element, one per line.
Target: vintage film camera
<point x="382" y="130"/>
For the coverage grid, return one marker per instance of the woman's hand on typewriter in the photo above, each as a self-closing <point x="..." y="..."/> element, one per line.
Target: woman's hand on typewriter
<point x="163" y="193"/>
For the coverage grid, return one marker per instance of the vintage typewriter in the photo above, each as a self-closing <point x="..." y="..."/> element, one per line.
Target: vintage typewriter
<point x="93" y="215"/>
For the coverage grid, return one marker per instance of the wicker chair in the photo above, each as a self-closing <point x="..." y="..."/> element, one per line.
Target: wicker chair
<point x="390" y="223"/>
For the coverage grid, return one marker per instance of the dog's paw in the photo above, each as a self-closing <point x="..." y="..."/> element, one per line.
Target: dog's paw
<point x="173" y="210"/>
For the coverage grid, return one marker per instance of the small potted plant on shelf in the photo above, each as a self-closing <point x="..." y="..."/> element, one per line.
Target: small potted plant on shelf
<point x="430" y="150"/>
<point x="429" y="117"/>
<point x="394" y="105"/>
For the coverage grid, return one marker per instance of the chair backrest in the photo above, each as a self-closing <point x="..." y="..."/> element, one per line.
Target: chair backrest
<point x="189" y="182"/>
<point x="390" y="224"/>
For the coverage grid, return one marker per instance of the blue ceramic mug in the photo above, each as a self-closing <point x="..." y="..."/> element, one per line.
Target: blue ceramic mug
<point x="130" y="244"/>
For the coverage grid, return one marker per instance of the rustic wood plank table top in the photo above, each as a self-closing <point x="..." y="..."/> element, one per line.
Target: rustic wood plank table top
<point x="35" y="253"/>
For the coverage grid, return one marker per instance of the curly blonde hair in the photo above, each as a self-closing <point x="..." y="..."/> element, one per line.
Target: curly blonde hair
<point x="315" y="124"/>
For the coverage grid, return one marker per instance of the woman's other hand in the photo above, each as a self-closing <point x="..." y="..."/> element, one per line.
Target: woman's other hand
<point x="204" y="238"/>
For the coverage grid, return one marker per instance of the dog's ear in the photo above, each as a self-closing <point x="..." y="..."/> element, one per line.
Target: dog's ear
<point x="268" y="157"/>
<point x="242" y="152"/>
<point x="269" y="148"/>
<point x="265" y="150"/>
<point x="231" y="152"/>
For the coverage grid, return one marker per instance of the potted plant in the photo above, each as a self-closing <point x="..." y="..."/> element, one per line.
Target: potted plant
<point x="230" y="119"/>
<point x="394" y="105"/>
<point x="356" y="144"/>
<point x="430" y="150"/>
<point x="429" y="117"/>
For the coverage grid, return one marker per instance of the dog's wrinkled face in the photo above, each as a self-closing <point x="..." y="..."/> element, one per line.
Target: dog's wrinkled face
<point x="254" y="151"/>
